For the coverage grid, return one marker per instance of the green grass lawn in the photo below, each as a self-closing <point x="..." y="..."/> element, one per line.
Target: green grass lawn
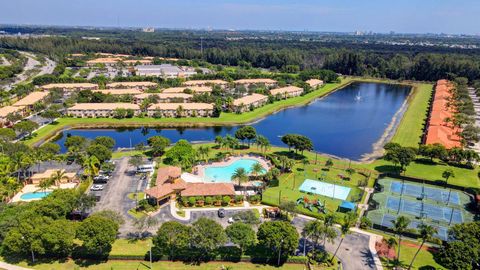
<point x="425" y="258"/>
<point x="130" y="247"/>
<point x="145" y="265"/>
<point x="463" y="177"/>
<point x="126" y="154"/>
<point x="410" y="129"/>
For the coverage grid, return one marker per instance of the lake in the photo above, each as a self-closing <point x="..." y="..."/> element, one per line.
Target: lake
<point x="346" y="123"/>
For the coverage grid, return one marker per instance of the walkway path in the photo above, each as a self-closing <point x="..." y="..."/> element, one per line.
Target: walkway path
<point x="7" y="266"/>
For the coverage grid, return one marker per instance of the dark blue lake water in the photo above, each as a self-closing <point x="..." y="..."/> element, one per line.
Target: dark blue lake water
<point x="345" y="123"/>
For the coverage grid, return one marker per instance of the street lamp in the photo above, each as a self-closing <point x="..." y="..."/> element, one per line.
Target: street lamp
<point x="279" y="252"/>
<point x="31" y="250"/>
<point x="150" y="246"/>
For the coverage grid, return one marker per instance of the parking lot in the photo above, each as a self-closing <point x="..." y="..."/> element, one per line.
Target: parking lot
<point x="114" y="194"/>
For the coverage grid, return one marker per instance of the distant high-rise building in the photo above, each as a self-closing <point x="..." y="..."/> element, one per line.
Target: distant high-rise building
<point x="148" y="30"/>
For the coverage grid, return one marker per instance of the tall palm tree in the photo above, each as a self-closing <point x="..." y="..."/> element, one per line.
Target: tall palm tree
<point x="240" y="175"/>
<point x="45" y="184"/>
<point x="400" y="226"/>
<point x="219" y="141"/>
<point x="347" y="222"/>
<point x="58" y="176"/>
<point x="426" y="234"/>
<point x="256" y="169"/>
<point x="91" y="166"/>
<point x="204" y="151"/>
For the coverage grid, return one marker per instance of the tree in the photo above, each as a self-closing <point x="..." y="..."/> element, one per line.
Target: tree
<point x="290" y="140"/>
<point x="51" y="114"/>
<point x="397" y="154"/>
<point x="289" y="207"/>
<point x="263" y="143"/>
<point x="144" y="223"/>
<point x="182" y="153"/>
<point x="207" y="235"/>
<point x="400" y="226"/>
<point x="219" y="141"/>
<point x="26" y="126"/>
<point x="119" y="113"/>
<point x="329" y="163"/>
<point x="7" y="134"/>
<point x="91" y="166"/>
<point x="99" y="151"/>
<point x="256" y="169"/>
<point x="75" y="141"/>
<point x="242" y="235"/>
<point x="172" y="239"/>
<point x="85" y="202"/>
<point x="279" y="237"/>
<point x="246" y="133"/>
<point x="426" y="234"/>
<point x="97" y="234"/>
<point x="106" y="141"/>
<point x="112" y="215"/>
<point x="347" y="222"/>
<point x="57" y="177"/>
<point x="44" y="184"/>
<point x="158" y="144"/>
<point x="203" y="151"/>
<point x="136" y="161"/>
<point x="447" y="174"/>
<point x="240" y="175"/>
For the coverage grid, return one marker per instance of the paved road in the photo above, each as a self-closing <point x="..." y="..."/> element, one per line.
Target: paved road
<point x="31" y="64"/>
<point x="114" y="196"/>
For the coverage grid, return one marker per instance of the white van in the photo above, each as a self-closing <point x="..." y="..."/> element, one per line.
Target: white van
<point x="145" y="168"/>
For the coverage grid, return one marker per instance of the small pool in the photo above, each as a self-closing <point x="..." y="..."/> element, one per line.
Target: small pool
<point x="223" y="174"/>
<point x="325" y="189"/>
<point x="34" y="195"/>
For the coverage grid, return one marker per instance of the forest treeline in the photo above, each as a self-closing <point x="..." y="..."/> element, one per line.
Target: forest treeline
<point x="282" y="54"/>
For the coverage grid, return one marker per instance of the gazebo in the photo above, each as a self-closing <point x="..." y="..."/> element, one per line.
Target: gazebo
<point x="347" y="206"/>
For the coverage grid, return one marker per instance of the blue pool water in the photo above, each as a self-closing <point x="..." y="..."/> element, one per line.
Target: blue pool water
<point x="34" y="195"/>
<point x="325" y="189"/>
<point x="345" y="123"/>
<point x="224" y="173"/>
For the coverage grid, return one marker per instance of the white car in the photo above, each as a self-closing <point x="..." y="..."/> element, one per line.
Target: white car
<point x="96" y="188"/>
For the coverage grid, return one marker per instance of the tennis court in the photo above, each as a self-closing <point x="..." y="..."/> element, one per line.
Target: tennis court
<point x="420" y="203"/>
<point x="421" y="191"/>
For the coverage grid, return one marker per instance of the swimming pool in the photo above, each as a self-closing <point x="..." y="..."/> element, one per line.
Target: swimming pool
<point x="223" y="174"/>
<point x="34" y="195"/>
<point x="325" y="189"/>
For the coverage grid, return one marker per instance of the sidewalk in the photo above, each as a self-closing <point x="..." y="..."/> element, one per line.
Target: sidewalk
<point x="7" y="266"/>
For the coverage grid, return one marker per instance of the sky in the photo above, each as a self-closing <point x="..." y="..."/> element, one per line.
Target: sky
<point x="402" y="16"/>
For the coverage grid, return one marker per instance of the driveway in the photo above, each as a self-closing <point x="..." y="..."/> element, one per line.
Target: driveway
<point x="114" y="195"/>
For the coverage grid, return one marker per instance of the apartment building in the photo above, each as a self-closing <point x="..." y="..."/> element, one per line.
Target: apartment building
<point x="244" y="104"/>
<point x="197" y="83"/>
<point x="107" y="61"/>
<point x="32" y="98"/>
<point x="261" y="81"/>
<point x="315" y="83"/>
<point x="194" y="89"/>
<point x="100" y="109"/>
<point x="164" y="97"/>
<point x="166" y="71"/>
<point x="70" y="86"/>
<point x="5" y="111"/>
<point x="138" y="85"/>
<point x="125" y="91"/>
<point x="185" y="110"/>
<point x="287" y="92"/>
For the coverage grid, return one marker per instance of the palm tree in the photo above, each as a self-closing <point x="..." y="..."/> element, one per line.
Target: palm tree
<point x="240" y="175"/>
<point x="400" y="226"/>
<point x="256" y="169"/>
<point x="347" y="222"/>
<point x="289" y="164"/>
<point x="263" y="143"/>
<point x="203" y="151"/>
<point x="45" y="184"/>
<point x="58" y="176"/>
<point x="426" y="234"/>
<point x="219" y="141"/>
<point x="91" y="166"/>
<point x="391" y="243"/>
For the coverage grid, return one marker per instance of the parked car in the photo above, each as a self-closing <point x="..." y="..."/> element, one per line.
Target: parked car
<point x="221" y="213"/>
<point x="96" y="188"/>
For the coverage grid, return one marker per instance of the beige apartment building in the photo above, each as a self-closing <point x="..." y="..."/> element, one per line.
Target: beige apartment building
<point x="4" y="111"/>
<point x="70" y="86"/>
<point x="32" y="98"/>
<point x="107" y="61"/>
<point x="194" y="89"/>
<point x="244" y="104"/>
<point x="186" y="109"/>
<point x="126" y="91"/>
<point x="315" y="83"/>
<point x="99" y="109"/>
<point x="165" y="97"/>
<point x="138" y="85"/>
<point x="191" y="83"/>
<point x="287" y="92"/>
<point x="261" y="81"/>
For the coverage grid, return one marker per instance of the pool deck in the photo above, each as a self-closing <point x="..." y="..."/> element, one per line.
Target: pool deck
<point x="34" y="188"/>
<point x="199" y="170"/>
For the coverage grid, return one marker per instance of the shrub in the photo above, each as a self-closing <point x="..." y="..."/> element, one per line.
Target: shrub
<point x="254" y="198"/>
<point x="208" y="200"/>
<point x="184" y="201"/>
<point x="238" y="198"/>
<point x="192" y="201"/>
<point x="226" y="200"/>
<point x="365" y="223"/>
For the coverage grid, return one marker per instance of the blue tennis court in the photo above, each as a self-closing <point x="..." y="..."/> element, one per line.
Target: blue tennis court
<point x="442" y="231"/>
<point x="325" y="189"/>
<point x="425" y="210"/>
<point x="432" y="193"/>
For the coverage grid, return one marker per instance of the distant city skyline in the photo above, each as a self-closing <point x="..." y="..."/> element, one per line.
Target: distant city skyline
<point x="405" y="16"/>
